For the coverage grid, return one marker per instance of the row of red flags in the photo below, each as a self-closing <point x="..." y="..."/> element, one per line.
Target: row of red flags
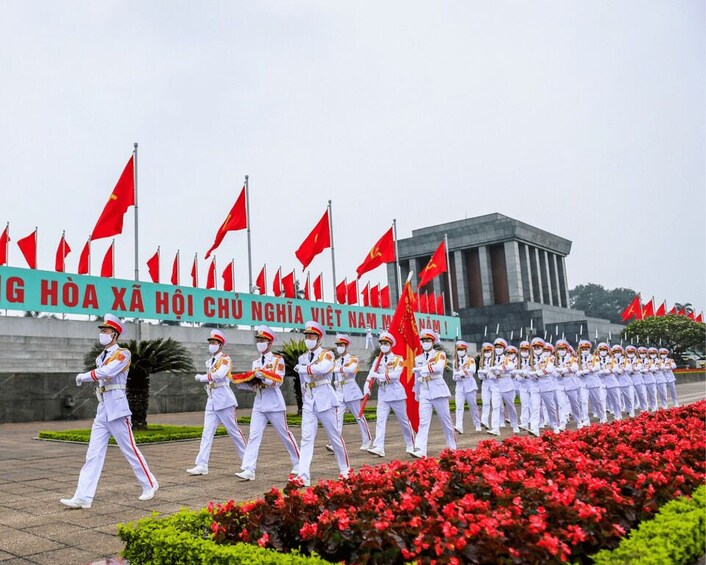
<point x="636" y="309"/>
<point x="110" y="223"/>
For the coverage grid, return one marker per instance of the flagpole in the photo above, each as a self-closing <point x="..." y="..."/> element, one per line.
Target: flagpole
<point x="36" y="247"/>
<point x="112" y="259"/>
<point x="397" y="260"/>
<point x="137" y="240"/>
<point x="448" y="272"/>
<point x="232" y="275"/>
<point x="333" y="257"/>
<point x="247" y="219"/>
<point x="159" y="262"/>
<point x="178" y="261"/>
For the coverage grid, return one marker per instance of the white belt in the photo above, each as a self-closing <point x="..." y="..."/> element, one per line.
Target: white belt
<point x="427" y="379"/>
<point x="106" y="388"/>
<point x="314" y="384"/>
<point x="216" y="385"/>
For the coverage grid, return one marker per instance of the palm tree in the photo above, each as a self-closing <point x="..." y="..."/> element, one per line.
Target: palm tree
<point x="148" y="356"/>
<point x="291" y="351"/>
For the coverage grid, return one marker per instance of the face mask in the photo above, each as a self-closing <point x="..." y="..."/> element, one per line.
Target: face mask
<point x="486" y="354"/>
<point x="561" y="352"/>
<point x="213" y="348"/>
<point x="545" y="354"/>
<point x="340" y="349"/>
<point x="603" y="353"/>
<point x="461" y="352"/>
<point x="512" y="355"/>
<point x="631" y="355"/>
<point x="663" y="356"/>
<point x="524" y="354"/>
<point x="653" y="356"/>
<point x="385" y="348"/>
<point x="537" y="351"/>
<point x="105" y="339"/>
<point x="310" y="343"/>
<point x="499" y="351"/>
<point x="262" y="346"/>
<point x="642" y="356"/>
<point x="426" y="345"/>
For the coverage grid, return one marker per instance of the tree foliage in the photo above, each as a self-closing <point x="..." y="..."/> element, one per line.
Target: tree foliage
<point x="147" y="357"/>
<point x="679" y="334"/>
<point x="599" y="302"/>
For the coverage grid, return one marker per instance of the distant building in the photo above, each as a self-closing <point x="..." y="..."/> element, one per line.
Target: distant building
<point x="504" y="272"/>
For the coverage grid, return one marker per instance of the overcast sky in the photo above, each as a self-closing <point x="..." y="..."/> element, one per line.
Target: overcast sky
<point x="585" y="119"/>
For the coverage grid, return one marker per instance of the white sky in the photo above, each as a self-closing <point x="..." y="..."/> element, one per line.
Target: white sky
<point x="586" y="119"/>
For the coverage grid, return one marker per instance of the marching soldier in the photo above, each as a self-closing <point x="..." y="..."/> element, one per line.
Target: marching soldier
<point x="319" y="402"/>
<point x="486" y="362"/>
<point x="607" y="372"/>
<point x="503" y="387"/>
<point x="648" y="376"/>
<point x="112" y="419"/>
<point x="386" y="372"/>
<point x="567" y="368"/>
<point x="221" y="403"/>
<point x="432" y="392"/>
<point x="265" y="381"/>
<point x="588" y="371"/>
<point x="634" y="369"/>
<point x="668" y="367"/>
<point x="528" y="390"/>
<point x="543" y="369"/>
<point x="464" y="370"/>
<point x="623" y="370"/>
<point x="660" y="377"/>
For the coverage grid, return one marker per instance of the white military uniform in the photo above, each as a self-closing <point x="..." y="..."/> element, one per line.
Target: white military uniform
<point x="485" y="386"/>
<point x="433" y="393"/>
<point x="464" y="370"/>
<point x="607" y="372"/>
<point x="269" y="407"/>
<point x="349" y="395"/>
<point x="634" y="369"/>
<point x="588" y="371"/>
<point x="503" y="392"/>
<point x="566" y="368"/>
<point x="523" y="386"/>
<point x="386" y="372"/>
<point x="623" y="369"/>
<point x="220" y="407"/>
<point x="660" y="381"/>
<point x="668" y="366"/>
<point x="648" y="376"/>
<point x="112" y="419"/>
<point x="319" y="405"/>
<point x="544" y="371"/>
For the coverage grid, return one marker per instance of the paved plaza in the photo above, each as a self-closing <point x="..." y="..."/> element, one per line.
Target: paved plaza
<point x="34" y="475"/>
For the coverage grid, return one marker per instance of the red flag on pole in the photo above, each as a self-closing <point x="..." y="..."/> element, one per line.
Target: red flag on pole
<point x="277" y="283"/>
<point x="61" y="253"/>
<point x="633" y="310"/>
<point x="288" y="286"/>
<point x="318" y="288"/>
<point x="236" y="220"/>
<point x="211" y="276"/>
<point x="153" y="266"/>
<point x="648" y="310"/>
<point x="699" y="318"/>
<point x="341" y="291"/>
<point x="318" y="240"/>
<point x="195" y="271"/>
<point x="107" y="265"/>
<point x="229" y="276"/>
<point x="28" y="246"/>
<point x="382" y="252"/>
<point x="375" y="296"/>
<point x="4" y="241"/>
<point x="435" y="266"/>
<point x="682" y="312"/>
<point x="84" y="259"/>
<point x="385" y="297"/>
<point x="673" y="311"/>
<point x="691" y="316"/>
<point x="110" y="222"/>
<point x="175" y="270"/>
<point x="440" y="304"/>
<point x="261" y="281"/>
<point x="431" y="303"/>
<point x="352" y="292"/>
<point x="307" y="293"/>
<point x="404" y="327"/>
<point x="662" y="310"/>
<point x="423" y="303"/>
<point x="365" y="293"/>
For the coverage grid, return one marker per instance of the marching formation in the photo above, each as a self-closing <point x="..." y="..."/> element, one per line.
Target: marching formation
<point x="554" y="382"/>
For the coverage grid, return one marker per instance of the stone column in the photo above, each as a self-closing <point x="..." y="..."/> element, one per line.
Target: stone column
<point x="485" y="276"/>
<point x="564" y="281"/>
<point x="514" y="273"/>
<point x="530" y="283"/>
<point x="461" y="282"/>
<point x="547" y="277"/>
<point x="557" y="281"/>
<point x="540" y="289"/>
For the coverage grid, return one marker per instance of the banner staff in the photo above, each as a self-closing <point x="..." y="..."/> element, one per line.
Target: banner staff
<point x="333" y="257"/>
<point x="247" y="220"/>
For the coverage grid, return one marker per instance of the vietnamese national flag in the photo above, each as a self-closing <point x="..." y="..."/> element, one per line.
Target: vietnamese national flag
<point x="436" y="266"/>
<point x="107" y="265"/>
<point x="341" y="291"/>
<point x="682" y="312"/>
<point x="431" y="303"/>
<point x="61" y="252"/>
<point x="261" y="281"/>
<point x="382" y="252"/>
<point x="385" y="297"/>
<point x="375" y="296"/>
<point x="365" y="293"/>
<point x="307" y="291"/>
<point x="195" y="271"/>
<point x="440" y="308"/>
<point x="277" y="284"/>
<point x="404" y="327"/>
<point x="352" y="292"/>
<point x="175" y="270"/>
<point x="211" y="276"/>
<point x="318" y="240"/>
<point x="634" y="309"/>
<point x="153" y="266"/>
<point x="662" y="310"/>
<point x="110" y="222"/>
<point x="4" y="241"/>
<point x="28" y="246"/>
<point x="228" y="277"/>
<point x="84" y="259"/>
<point x="699" y="318"/>
<point x="423" y="303"/>
<point x="236" y="220"/>
<point x="288" y="286"/>
<point x="673" y="311"/>
<point x="648" y="310"/>
<point x="318" y="290"/>
<point x="691" y="316"/>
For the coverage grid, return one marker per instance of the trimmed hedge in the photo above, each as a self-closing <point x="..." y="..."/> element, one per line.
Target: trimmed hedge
<point x="185" y="538"/>
<point x="676" y="535"/>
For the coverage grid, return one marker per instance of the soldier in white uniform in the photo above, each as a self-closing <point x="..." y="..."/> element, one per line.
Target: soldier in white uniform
<point x="347" y="390"/>
<point x="386" y="372"/>
<point x="485" y="363"/>
<point x="588" y="371"/>
<point x="524" y="386"/>
<point x="432" y="393"/>
<point x="567" y="367"/>
<point x="464" y="370"/>
<point x="634" y="370"/>
<point x="668" y="366"/>
<point x="503" y="387"/>
<point x="648" y="376"/>
<point x="319" y="402"/>
<point x="112" y="419"/>
<point x="660" y="377"/>
<point x="221" y="403"/>
<point x="610" y="381"/>
<point x="623" y="370"/>
<point x="265" y="381"/>
<point x="543" y="369"/>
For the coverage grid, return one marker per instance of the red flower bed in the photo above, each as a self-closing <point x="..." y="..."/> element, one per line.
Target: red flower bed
<point x="525" y="500"/>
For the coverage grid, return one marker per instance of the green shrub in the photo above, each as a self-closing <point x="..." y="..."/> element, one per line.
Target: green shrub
<point x="676" y="535"/>
<point x="185" y="539"/>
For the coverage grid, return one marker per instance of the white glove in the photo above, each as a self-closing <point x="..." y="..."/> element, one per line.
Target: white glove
<point x="366" y="388"/>
<point x="298" y="368"/>
<point x="424" y="372"/>
<point x="79" y="379"/>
